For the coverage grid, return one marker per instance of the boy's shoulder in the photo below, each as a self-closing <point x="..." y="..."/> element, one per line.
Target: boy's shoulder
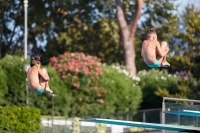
<point x="33" y="69"/>
<point x="147" y="42"/>
<point x="155" y="42"/>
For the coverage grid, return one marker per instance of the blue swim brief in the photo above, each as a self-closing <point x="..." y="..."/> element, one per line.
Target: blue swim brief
<point x="40" y="90"/>
<point x="155" y="65"/>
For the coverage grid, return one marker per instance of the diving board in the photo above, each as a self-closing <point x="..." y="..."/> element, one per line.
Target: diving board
<point x="144" y="125"/>
<point x="184" y="112"/>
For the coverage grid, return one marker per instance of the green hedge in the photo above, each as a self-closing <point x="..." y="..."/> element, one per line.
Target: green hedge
<point x="123" y="92"/>
<point x="13" y="80"/>
<point x="151" y="81"/>
<point x="19" y="120"/>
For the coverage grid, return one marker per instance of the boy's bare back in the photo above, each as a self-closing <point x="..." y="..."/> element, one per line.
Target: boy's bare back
<point x="33" y="78"/>
<point x="149" y="51"/>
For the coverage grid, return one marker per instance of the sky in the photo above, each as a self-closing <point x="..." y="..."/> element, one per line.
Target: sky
<point x="184" y="3"/>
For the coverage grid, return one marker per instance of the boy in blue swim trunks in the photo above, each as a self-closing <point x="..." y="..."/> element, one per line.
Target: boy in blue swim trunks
<point x="154" y="53"/>
<point x="38" y="78"/>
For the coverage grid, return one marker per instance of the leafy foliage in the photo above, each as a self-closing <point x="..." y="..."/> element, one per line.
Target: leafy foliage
<point x="91" y="27"/>
<point x="10" y="24"/>
<point x="150" y="82"/>
<point x="156" y="84"/>
<point x="79" y="26"/>
<point x="186" y="87"/>
<point x="188" y="42"/>
<point x="81" y="73"/>
<point x="92" y="86"/>
<point x="14" y="80"/>
<point x="123" y="91"/>
<point x="85" y="88"/>
<point x="104" y="43"/>
<point x="63" y="99"/>
<point x="3" y="87"/>
<point x="19" y="119"/>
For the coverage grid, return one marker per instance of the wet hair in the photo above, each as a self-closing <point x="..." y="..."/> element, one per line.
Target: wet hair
<point x="150" y="32"/>
<point x="35" y="60"/>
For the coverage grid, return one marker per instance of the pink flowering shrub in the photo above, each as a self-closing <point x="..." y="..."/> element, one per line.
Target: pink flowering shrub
<point x="81" y="74"/>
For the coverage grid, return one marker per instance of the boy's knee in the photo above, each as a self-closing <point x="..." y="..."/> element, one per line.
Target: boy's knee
<point x="164" y="44"/>
<point x="44" y="70"/>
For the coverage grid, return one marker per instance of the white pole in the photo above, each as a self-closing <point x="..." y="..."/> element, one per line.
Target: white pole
<point x="25" y="28"/>
<point x="26" y="67"/>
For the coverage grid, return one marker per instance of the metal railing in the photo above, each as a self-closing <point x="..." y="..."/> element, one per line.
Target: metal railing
<point x="174" y="99"/>
<point x="62" y="125"/>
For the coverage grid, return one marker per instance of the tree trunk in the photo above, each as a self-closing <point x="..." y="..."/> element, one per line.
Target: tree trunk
<point x="1" y="30"/>
<point x="128" y="33"/>
<point x="1" y="34"/>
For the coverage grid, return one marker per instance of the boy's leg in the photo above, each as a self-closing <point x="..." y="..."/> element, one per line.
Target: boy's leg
<point x="44" y="83"/>
<point x="164" y="46"/>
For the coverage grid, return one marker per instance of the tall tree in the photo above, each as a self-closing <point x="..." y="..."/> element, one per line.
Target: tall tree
<point x="11" y="26"/>
<point x="187" y="56"/>
<point x="128" y="33"/>
<point x="87" y="26"/>
<point x="90" y="27"/>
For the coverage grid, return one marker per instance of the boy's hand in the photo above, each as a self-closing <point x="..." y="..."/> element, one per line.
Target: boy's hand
<point x="47" y="78"/>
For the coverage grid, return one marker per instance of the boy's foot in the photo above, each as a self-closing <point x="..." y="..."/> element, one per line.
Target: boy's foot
<point x="166" y="64"/>
<point x="48" y="90"/>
